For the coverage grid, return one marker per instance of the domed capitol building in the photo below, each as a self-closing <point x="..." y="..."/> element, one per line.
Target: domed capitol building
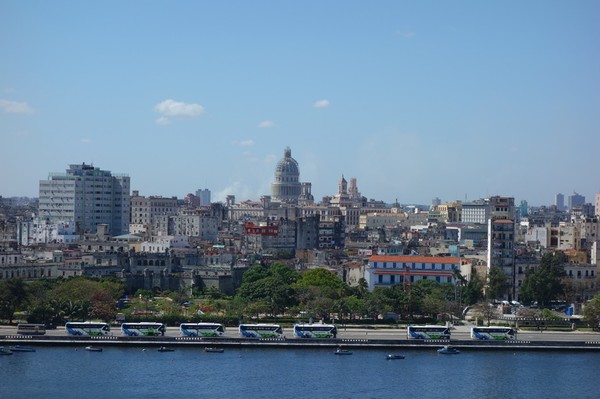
<point x="287" y="186"/>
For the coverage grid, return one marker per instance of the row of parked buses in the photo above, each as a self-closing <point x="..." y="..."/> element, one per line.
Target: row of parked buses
<point x="202" y="330"/>
<point x="441" y="332"/>
<point x="256" y="330"/>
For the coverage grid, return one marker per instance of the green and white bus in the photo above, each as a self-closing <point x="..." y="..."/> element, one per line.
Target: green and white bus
<point x="428" y="332"/>
<point x="90" y="328"/>
<point x="315" y="330"/>
<point x="494" y="333"/>
<point x="202" y="329"/>
<point x="143" y="329"/>
<point x="261" y="331"/>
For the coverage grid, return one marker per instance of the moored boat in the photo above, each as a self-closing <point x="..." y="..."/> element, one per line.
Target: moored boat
<point x="93" y="349"/>
<point x="3" y="351"/>
<point x="19" y="348"/>
<point x="394" y="356"/>
<point x="448" y="350"/>
<point x="165" y="349"/>
<point x="340" y="351"/>
<point x="214" y="350"/>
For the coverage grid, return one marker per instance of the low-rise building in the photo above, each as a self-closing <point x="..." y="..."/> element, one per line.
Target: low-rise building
<point x="385" y="271"/>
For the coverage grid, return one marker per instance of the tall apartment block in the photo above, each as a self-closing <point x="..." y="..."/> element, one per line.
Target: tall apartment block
<point x="204" y="196"/>
<point x="87" y="196"/>
<point x="575" y="200"/>
<point x="559" y="201"/>
<point x="501" y="239"/>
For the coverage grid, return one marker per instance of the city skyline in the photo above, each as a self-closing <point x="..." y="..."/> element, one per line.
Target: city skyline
<point x="456" y="101"/>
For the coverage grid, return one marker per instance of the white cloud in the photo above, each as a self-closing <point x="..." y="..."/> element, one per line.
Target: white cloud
<point x="245" y="143"/>
<point x="15" y="107"/>
<point x="321" y="104"/>
<point x="266" y="124"/>
<point x="163" y="120"/>
<point x="86" y="140"/>
<point x="172" y="108"/>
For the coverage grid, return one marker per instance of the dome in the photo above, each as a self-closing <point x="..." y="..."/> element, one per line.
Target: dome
<point x="288" y="165"/>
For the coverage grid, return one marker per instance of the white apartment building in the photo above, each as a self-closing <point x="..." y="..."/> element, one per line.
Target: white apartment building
<point x="86" y="196"/>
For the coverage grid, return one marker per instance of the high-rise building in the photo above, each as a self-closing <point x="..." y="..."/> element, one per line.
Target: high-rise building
<point x="575" y="200"/>
<point x="204" y="196"/>
<point x="87" y="196"/>
<point x="501" y="240"/>
<point x="559" y="201"/>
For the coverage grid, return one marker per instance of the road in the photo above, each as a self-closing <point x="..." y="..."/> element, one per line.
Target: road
<point x="458" y="333"/>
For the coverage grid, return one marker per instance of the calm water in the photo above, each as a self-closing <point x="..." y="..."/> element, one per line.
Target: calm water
<point x="64" y="372"/>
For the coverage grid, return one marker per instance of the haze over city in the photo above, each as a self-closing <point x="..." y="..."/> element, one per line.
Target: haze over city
<point x="416" y="100"/>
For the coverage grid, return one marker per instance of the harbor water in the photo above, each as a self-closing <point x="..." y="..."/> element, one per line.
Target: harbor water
<point x="69" y="372"/>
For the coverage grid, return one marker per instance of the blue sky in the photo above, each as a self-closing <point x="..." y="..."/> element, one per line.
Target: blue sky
<point x="416" y="99"/>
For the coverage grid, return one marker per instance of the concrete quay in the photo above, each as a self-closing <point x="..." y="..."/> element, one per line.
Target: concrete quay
<point x="121" y="341"/>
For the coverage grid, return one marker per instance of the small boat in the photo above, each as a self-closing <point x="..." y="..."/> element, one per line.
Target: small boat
<point x="19" y="348"/>
<point x="4" y="352"/>
<point x="394" y="356"/>
<point x="93" y="349"/>
<point x="340" y="351"/>
<point x="214" y="350"/>
<point x="448" y="350"/>
<point x="165" y="349"/>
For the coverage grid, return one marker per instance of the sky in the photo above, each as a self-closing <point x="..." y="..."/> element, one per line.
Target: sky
<point x="458" y="100"/>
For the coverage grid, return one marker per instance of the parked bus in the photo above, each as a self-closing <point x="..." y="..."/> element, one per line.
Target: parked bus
<point x="315" y="330"/>
<point x="202" y="329"/>
<point x="90" y="328"/>
<point x="31" y="329"/>
<point x="428" y="332"/>
<point x="261" y="331"/>
<point x="498" y="333"/>
<point x="142" y="329"/>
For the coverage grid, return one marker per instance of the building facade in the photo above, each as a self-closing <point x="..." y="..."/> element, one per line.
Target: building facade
<point x="385" y="271"/>
<point x="87" y="196"/>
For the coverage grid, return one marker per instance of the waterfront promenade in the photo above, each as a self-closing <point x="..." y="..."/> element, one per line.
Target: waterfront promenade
<point x="348" y="337"/>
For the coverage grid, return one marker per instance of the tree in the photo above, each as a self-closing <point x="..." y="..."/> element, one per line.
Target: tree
<point x="591" y="312"/>
<point x="321" y="277"/>
<point x="272" y="287"/>
<point x="12" y="296"/>
<point x="543" y="283"/>
<point x="473" y="290"/>
<point x="103" y="306"/>
<point x="496" y="284"/>
<point x="486" y="311"/>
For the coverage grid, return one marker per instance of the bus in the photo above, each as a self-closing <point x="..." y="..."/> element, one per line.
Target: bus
<point x="142" y="329"/>
<point x="315" y="330"/>
<point x="90" y="328"/>
<point x="31" y="329"/>
<point x="496" y="333"/>
<point x="261" y="331"/>
<point x="428" y="332"/>
<point x="202" y="329"/>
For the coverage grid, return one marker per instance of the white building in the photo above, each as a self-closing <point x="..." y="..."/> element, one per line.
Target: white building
<point x="39" y="231"/>
<point x="162" y="244"/>
<point x="87" y="196"/>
